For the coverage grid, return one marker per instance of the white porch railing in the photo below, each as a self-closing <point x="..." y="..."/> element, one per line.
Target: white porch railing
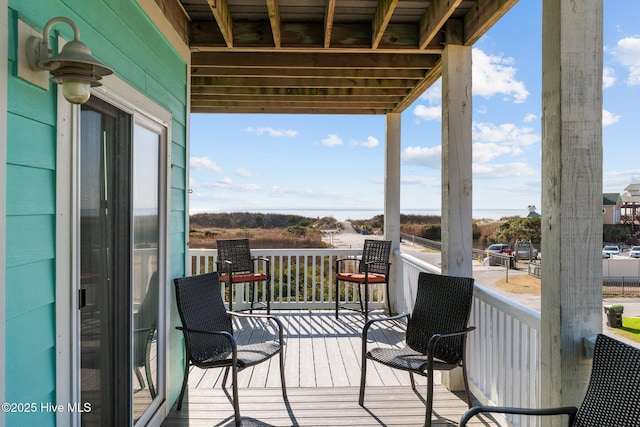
<point x="504" y="366"/>
<point x="300" y="278"/>
<point x="503" y="362"/>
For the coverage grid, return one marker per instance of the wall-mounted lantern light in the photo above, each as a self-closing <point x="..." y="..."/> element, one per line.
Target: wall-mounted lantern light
<point x="74" y="67"/>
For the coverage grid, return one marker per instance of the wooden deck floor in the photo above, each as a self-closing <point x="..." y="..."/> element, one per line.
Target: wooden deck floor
<point x="322" y="371"/>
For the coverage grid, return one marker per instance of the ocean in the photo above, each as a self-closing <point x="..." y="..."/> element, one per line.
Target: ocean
<point x="364" y="213"/>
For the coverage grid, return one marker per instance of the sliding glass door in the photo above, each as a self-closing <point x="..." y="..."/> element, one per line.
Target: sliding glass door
<point x="119" y="295"/>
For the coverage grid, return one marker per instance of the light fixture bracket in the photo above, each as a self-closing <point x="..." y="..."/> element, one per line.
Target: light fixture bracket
<point x="73" y="63"/>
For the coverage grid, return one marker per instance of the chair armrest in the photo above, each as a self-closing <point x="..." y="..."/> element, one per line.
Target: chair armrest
<point x="435" y="337"/>
<point x="263" y="316"/>
<point x="341" y="260"/>
<point x="265" y="261"/>
<point x="570" y="411"/>
<point x="226" y="334"/>
<point x="370" y="322"/>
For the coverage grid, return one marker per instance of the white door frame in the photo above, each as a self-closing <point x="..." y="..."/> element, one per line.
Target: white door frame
<point x="118" y="93"/>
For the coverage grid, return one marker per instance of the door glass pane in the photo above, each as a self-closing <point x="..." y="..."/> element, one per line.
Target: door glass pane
<point x="146" y="223"/>
<point x="103" y="277"/>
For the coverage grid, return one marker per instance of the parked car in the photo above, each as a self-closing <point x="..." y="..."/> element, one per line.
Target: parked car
<point x="500" y="248"/>
<point x="608" y="250"/>
<point x="634" y="252"/>
<point x="523" y="252"/>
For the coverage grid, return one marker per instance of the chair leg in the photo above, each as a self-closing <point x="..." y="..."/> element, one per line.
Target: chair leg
<point x="337" y="296"/>
<point x="388" y="299"/>
<point x="236" y="405"/>
<point x="366" y="301"/>
<point x="363" y="380"/>
<point x="224" y="378"/>
<point x="230" y="295"/>
<point x="413" y="382"/>
<point x="252" y="291"/>
<point x="282" y="383"/>
<point x="427" y="419"/>
<point x="466" y="383"/>
<point x="268" y="296"/>
<point x="184" y="384"/>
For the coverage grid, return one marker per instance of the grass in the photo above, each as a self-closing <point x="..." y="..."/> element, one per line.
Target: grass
<point x="630" y="328"/>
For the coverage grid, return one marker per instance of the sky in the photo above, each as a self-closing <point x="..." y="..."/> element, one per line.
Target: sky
<point x="273" y="163"/>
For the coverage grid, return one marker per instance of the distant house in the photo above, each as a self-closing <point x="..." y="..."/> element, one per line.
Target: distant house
<point x="630" y="206"/>
<point x="531" y="212"/>
<point x="611" y="205"/>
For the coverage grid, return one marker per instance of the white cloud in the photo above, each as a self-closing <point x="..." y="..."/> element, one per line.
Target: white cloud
<point x="433" y="95"/>
<point x="243" y="172"/>
<point x="428" y="113"/>
<point x="425" y="181"/>
<point x="371" y="142"/>
<point x="608" y="118"/>
<point x="484" y="153"/>
<point x="204" y="163"/>
<point x="530" y="118"/>
<point x="331" y="140"/>
<point x="627" y="53"/>
<point x="272" y="132"/>
<point x="502" y="171"/>
<point x="226" y="181"/>
<point x="425" y="156"/>
<point x="506" y="133"/>
<point x="493" y="75"/>
<point x="608" y="77"/>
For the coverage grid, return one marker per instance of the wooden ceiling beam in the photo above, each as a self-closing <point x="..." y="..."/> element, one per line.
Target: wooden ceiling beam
<point x="318" y="59"/>
<point x="221" y="13"/>
<point x="381" y="20"/>
<point x="258" y="92"/>
<point x="357" y="73"/>
<point x="274" y="17"/>
<point x="434" y="19"/>
<point x="358" y="99"/>
<point x="293" y="109"/>
<point x="301" y="82"/>
<point x="482" y="16"/>
<point x="328" y="22"/>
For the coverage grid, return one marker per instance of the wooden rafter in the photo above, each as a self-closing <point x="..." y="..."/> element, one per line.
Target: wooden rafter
<point x="381" y="20"/>
<point x="221" y="13"/>
<point x="328" y="21"/>
<point x="482" y="17"/>
<point x="274" y="18"/>
<point x="434" y="19"/>
<point x="322" y="56"/>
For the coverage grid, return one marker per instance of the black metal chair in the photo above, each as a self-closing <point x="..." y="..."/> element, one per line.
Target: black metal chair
<point x="208" y="334"/>
<point x="373" y="269"/>
<point x="436" y="334"/>
<point x="613" y="393"/>
<point x="236" y="266"/>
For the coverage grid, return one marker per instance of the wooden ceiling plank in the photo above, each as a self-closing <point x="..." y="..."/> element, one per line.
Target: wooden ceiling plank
<point x="220" y="10"/>
<point x="434" y="19"/>
<point x="482" y="16"/>
<point x="259" y="109"/>
<point x="258" y="92"/>
<point x="274" y="17"/>
<point x="381" y="19"/>
<point x="328" y="22"/>
<point x="318" y="59"/>
<point x="301" y="82"/>
<point x="356" y="73"/>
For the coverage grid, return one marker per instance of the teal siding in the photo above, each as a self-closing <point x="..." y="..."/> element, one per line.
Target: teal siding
<point x="123" y="37"/>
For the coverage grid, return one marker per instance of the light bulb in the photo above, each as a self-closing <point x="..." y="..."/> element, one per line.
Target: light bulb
<point x="76" y="91"/>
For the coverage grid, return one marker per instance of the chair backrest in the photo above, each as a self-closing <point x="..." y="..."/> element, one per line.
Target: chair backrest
<point x="238" y="252"/>
<point x="376" y="251"/>
<point x="613" y="394"/>
<point x="145" y="320"/>
<point x="201" y="308"/>
<point x="443" y="305"/>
